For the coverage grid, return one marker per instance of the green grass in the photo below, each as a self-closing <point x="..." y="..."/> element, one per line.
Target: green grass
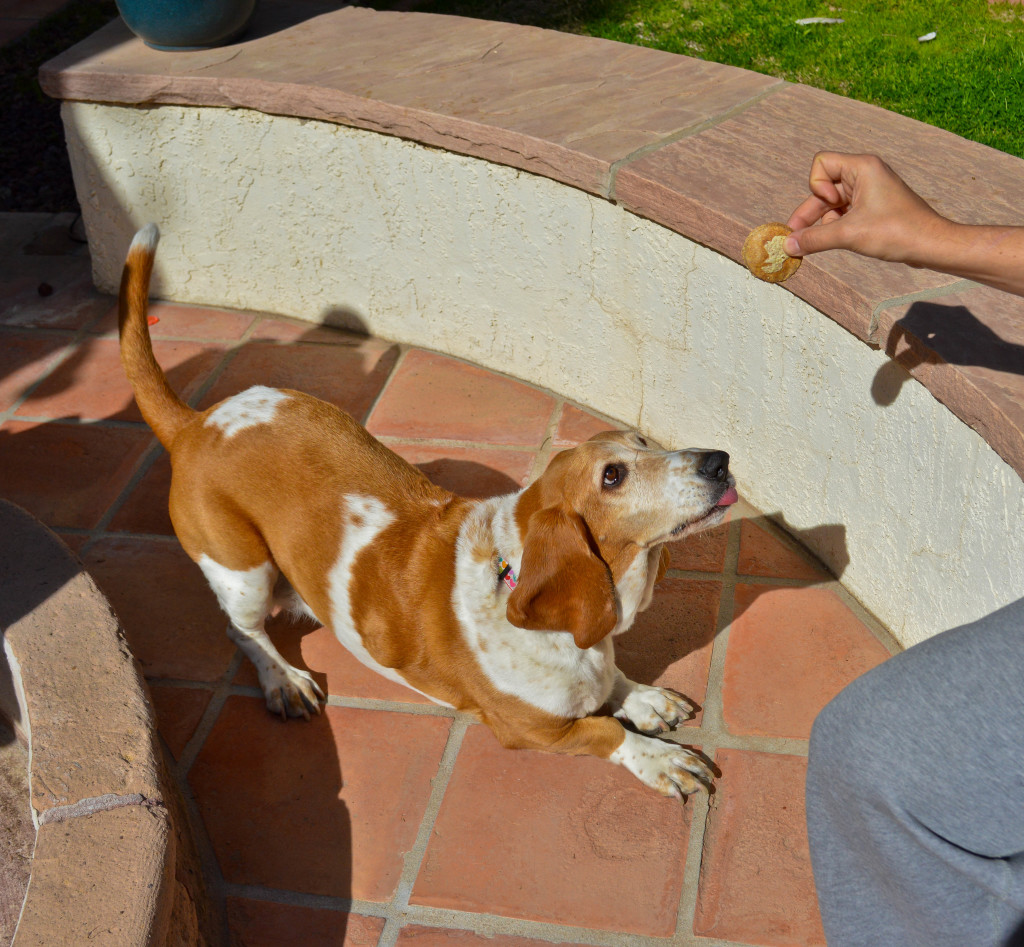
<point x="969" y="80"/>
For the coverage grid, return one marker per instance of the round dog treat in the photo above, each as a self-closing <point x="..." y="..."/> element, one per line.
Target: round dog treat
<point x="765" y="255"/>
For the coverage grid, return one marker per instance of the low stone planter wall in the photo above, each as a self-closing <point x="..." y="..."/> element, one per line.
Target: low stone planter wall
<point x="571" y="211"/>
<point x="113" y="855"/>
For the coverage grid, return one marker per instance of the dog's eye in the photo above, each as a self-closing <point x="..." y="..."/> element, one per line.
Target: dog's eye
<point x="614" y="474"/>
<point x="642" y="440"/>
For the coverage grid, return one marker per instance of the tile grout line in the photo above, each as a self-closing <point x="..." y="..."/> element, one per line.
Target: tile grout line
<point x="453" y="919"/>
<point x="711" y="728"/>
<point x="153" y="452"/>
<point x="222" y="690"/>
<point x="547" y="444"/>
<point x="413" y="861"/>
<point x="712" y="718"/>
<point x="492" y="925"/>
<point x="113" y="424"/>
<point x="532" y="386"/>
<point x="830" y="581"/>
<point x="373" y="703"/>
<point x="304" y="899"/>
<point x="687" y="906"/>
<point x="213" y="876"/>
<point x="75" y="339"/>
<point x="388" y="439"/>
<point x="866" y="618"/>
<point x="167" y="538"/>
<point x="762" y="744"/>
<point x="403" y="352"/>
<point x="80" y="340"/>
<point x="441" y="442"/>
<point x="766" y="580"/>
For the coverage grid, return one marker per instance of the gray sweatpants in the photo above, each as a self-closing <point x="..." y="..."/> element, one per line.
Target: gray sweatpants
<point x="915" y="794"/>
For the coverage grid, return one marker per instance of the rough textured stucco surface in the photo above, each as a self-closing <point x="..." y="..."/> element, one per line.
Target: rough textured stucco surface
<point x="911" y="508"/>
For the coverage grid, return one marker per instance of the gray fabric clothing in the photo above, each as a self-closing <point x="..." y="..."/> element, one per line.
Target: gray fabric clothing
<point x="915" y="795"/>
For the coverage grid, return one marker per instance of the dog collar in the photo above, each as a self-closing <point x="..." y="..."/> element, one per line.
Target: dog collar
<point x="506" y="574"/>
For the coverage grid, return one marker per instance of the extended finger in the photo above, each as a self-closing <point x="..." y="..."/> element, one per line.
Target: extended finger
<point x="809" y="212"/>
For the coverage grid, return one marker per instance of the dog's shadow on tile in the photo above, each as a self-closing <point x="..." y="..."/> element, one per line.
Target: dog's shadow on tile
<point x="75" y="486"/>
<point x="468" y="478"/>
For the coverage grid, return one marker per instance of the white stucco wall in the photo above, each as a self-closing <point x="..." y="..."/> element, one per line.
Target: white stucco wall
<point x="918" y="516"/>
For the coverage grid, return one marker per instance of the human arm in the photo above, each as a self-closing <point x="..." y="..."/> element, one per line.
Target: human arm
<point x="857" y="202"/>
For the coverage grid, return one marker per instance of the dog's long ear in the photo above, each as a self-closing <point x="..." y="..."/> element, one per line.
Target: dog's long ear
<point x="562" y="586"/>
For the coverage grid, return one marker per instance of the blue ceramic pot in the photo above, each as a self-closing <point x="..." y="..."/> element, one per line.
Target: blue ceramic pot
<point x="186" y="24"/>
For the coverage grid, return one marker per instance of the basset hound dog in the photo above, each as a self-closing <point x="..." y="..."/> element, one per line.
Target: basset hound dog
<point x="504" y="608"/>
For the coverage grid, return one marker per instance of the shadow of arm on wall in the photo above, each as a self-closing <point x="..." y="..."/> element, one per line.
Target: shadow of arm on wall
<point x="934" y="334"/>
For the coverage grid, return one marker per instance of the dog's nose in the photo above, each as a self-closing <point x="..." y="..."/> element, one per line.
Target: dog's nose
<point x="715" y="465"/>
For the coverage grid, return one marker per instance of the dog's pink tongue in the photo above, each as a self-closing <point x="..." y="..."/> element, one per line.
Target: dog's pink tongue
<point x="729" y="497"/>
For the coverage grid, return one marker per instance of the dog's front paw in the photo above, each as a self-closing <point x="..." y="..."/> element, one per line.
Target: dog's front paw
<point x="290" y="692"/>
<point x="654" y="709"/>
<point x="667" y="767"/>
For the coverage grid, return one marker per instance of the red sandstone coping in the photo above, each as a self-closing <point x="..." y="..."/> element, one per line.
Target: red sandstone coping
<point x="112" y="844"/>
<point x="704" y="149"/>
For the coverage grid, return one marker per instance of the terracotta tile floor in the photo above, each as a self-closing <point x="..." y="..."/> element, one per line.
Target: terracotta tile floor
<point x="388" y="819"/>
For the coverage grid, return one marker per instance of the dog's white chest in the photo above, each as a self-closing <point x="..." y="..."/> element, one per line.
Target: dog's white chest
<point x="544" y="669"/>
<point x="635" y="589"/>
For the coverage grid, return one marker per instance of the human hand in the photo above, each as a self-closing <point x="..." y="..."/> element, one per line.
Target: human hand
<point x="859" y="203"/>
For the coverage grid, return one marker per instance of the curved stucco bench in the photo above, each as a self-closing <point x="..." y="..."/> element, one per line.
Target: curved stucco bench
<point x="570" y="211"/>
<point x="114" y="860"/>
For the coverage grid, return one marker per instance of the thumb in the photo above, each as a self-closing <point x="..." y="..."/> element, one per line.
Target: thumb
<point x="815" y="239"/>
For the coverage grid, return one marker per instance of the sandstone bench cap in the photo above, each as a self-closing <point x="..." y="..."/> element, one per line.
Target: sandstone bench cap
<point x="704" y="149"/>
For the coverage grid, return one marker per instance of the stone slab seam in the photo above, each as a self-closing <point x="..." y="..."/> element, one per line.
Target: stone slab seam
<point x="950" y="289"/>
<point x="104" y="803"/>
<point x="688" y="132"/>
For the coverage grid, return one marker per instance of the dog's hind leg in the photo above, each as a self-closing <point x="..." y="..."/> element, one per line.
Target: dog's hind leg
<point x="247" y="595"/>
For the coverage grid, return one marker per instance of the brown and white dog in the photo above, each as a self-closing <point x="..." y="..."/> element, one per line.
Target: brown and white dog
<point x="420" y="584"/>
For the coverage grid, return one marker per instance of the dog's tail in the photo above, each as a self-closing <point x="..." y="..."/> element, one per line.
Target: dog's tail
<point x="163" y="410"/>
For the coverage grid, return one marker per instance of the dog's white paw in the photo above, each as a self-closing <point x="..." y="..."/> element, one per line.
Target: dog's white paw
<point x="290" y="692"/>
<point x="654" y="709"/>
<point x="667" y="767"/>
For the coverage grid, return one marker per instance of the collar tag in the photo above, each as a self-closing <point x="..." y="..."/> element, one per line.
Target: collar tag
<point x="506" y="574"/>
